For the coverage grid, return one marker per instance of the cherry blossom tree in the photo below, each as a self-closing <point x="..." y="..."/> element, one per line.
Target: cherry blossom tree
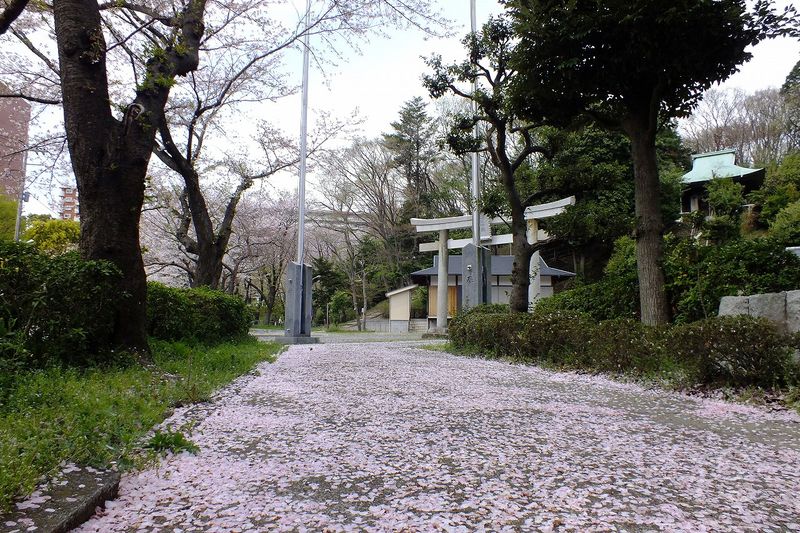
<point x="112" y="113"/>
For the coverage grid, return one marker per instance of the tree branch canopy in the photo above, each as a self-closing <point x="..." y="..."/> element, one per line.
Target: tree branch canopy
<point x="14" y="9"/>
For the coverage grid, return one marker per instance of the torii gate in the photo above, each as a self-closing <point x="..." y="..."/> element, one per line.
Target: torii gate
<point x="443" y="225"/>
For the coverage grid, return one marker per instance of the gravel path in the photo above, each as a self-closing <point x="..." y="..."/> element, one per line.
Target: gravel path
<point x="390" y="437"/>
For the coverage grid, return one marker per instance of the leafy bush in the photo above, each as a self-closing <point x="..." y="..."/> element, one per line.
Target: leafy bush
<point x="498" y="334"/>
<point x="624" y="345"/>
<point x="54" y="236"/>
<point x="737" y="350"/>
<point x="169" y="313"/>
<point x="201" y="314"/>
<point x="616" y="295"/>
<point x="699" y="276"/>
<point x="54" y="310"/>
<point x="341" y="307"/>
<point x="419" y="303"/>
<point x="558" y="337"/>
<point x="786" y="227"/>
<point x="491" y="309"/>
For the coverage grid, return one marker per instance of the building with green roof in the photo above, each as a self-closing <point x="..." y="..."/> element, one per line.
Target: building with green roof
<point x="715" y="165"/>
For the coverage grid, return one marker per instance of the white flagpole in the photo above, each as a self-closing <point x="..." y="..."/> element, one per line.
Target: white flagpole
<point x="301" y="229"/>
<point x="476" y="221"/>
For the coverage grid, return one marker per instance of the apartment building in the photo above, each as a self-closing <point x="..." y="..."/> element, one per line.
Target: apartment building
<point x="70" y="208"/>
<point x="15" y="116"/>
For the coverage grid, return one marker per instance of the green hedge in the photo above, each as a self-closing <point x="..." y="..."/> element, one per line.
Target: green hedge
<point x="53" y="310"/>
<point x="740" y="350"/>
<point x="201" y="314"/>
<point x="736" y="351"/>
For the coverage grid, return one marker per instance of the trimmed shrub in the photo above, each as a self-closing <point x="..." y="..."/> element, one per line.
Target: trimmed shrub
<point x="736" y="350"/>
<point x="169" y="313"/>
<point x="625" y="345"/>
<point x="200" y="314"/>
<point x="616" y="295"/>
<point x="219" y="316"/>
<point x="54" y="310"/>
<point x="558" y="337"/>
<point x="491" y="309"/>
<point x="607" y="299"/>
<point x="552" y="337"/>
<point x="497" y="334"/>
<point x="786" y="227"/>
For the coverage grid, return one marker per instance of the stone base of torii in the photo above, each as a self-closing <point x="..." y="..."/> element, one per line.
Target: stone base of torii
<point x="476" y="262"/>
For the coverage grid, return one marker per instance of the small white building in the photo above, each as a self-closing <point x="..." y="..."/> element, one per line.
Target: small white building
<point x="400" y="308"/>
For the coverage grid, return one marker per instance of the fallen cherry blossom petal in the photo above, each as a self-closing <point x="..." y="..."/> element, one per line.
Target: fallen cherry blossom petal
<point x="389" y="437"/>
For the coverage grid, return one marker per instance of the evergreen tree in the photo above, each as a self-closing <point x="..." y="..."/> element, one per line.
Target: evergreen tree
<point x="631" y="65"/>
<point x="412" y="142"/>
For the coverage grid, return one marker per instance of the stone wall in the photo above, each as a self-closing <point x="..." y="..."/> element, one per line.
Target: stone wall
<point x="783" y="308"/>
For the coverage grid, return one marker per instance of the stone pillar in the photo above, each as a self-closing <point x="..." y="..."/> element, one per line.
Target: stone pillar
<point x="297" y="328"/>
<point x="441" y="288"/>
<point x="476" y="265"/>
<point x="535" y="287"/>
<point x="535" y="280"/>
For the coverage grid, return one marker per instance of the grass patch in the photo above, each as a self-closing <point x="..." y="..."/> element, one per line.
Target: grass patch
<point x="336" y="328"/>
<point x="439" y="347"/>
<point x="98" y="416"/>
<point x="266" y="327"/>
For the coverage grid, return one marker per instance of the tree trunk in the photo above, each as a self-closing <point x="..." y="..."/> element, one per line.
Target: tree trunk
<point x="520" y="270"/>
<point x="110" y="161"/>
<point x="364" y="298"/>
<point x="649" y="225"/>
<point x="208" y="270"/>
<point x="273" y="291"/>
<point x="354" y="292"/>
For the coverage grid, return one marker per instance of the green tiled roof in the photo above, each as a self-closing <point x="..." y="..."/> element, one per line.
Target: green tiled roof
<point x="722" y="164"/>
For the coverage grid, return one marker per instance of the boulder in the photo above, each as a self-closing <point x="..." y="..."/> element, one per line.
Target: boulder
<point x="793" y="311"/>
<point x="734" y="305"/>
<point x="771" y="306"/>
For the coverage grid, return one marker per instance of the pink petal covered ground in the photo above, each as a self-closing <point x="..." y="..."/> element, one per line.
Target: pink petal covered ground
<point x="392" y="438"/>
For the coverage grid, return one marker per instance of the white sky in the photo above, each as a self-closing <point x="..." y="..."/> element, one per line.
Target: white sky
<point x="388" y="73"/>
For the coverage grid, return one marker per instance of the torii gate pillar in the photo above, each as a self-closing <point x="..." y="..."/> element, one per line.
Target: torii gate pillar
<point x="442" y="284"/>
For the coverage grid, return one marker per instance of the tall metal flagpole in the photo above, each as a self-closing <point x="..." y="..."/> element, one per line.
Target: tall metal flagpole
<point x="476" y="194"/>
<point x="301" y="193"/>
<point x="299" y="275"/>
<point x="475" y="260"/>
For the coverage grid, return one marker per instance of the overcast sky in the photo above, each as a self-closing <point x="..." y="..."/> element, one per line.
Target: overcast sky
<point x="388" y="70"/>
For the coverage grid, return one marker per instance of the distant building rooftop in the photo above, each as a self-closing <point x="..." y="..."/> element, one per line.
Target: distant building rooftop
<point x="712" y="165"/>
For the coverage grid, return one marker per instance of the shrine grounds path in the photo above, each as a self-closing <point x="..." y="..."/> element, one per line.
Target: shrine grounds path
<point x="393" y="437"/>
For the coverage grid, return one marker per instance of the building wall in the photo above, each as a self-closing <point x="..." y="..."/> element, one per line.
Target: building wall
<point x="452" y="300"/>
<point x="70" y="206"/>
<point x="400" y="306"/>
<point x="15" y="115"/>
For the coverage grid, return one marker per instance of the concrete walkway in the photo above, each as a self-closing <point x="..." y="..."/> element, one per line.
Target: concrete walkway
<point x="388" y="437"/>
<point x="340" y="337"/>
